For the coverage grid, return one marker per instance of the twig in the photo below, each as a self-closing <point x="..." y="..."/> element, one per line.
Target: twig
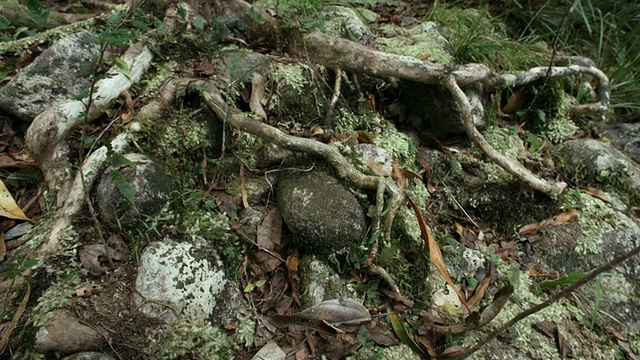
<point x="592" y="275"/>
<point x="328" y="120"/>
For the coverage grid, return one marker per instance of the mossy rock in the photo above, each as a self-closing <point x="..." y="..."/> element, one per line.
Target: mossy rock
<point x="323" y="216"/>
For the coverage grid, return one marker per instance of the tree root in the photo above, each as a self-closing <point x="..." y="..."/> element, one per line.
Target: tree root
<point x="215" y="101"/>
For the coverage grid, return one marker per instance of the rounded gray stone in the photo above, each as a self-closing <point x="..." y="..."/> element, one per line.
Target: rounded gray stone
<point x="323" y="216"/>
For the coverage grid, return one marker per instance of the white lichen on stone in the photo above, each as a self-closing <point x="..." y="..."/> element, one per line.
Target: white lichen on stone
<point x="178" y="339"/>
<point x="291" y="74"/>
<point x="595" y="219"/>
<point x="419" y="42"/>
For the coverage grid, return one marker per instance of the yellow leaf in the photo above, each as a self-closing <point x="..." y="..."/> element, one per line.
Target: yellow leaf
<point x="8" y="206"/>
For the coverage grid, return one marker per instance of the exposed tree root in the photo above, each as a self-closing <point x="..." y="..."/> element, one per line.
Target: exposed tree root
<point x="329" y="153"/>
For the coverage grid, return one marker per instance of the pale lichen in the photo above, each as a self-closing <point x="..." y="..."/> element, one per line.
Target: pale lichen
<point x="178" y="339"/>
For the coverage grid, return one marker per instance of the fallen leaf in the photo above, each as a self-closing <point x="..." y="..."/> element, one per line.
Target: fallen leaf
<point x="8" y="206"/>
<point x="342" y="311"/>
<point x="597" y="193"/>
<point x="243" y="188"/>
<point x="499" y="300"/>
<point x="97" y="258"/>
<point x="434" y="251"/>
<point x="205" y="68"/>
<point x="88" y="290"/>
<point x="401" y="179"/>
<point x="401" y="332"/>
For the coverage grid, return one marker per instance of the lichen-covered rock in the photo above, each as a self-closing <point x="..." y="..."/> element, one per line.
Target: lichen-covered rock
<point x="67" y="334"/>
<point x="322" y="215"/>
<point x="150" y="184"/>
<point x="622" y="311"/>
<point x="591" y="161"/>
<point x="60" y="72"/>
<point x="319" y="282"/>
<point x="625" y="137"/>
<point x="89" y="355"/>
<point x="187" y="279"/>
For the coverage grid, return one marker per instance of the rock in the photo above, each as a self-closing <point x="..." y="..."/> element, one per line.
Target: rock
<point x="186" y="278"/>
<point x="270" y="351"/>
<point x="625" y="137"/>
<point x="60" y="72"/>
<point x="319" y="282"/>
<point x="377" y="158"/>
<point x="344" y="22"/>
<point x="150" y="184"/>
<point x="89" y="355"/>
<point x="323" y="216"/>
<point x="623" y="313"/>
<point x="432" y="111"/>
<point x="591" y="161"/>
<point x="66" y="334"/>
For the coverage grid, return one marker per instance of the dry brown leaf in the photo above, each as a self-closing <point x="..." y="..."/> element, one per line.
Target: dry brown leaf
<point x="378" y="168"/>
<point x="268" y="240"/>
<point x="478" y="295"/>
<point x="6" y="334"/>
<point x="88" y="290"/>
<point x="434" y="251"/>
<point x="401" y="179"/>
<point x="8" y="206"/>
<point x="551" y="330"/>
<point x="499" y="300"/>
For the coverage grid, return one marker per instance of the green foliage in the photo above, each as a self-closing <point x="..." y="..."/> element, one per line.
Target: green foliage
<point x="15" y="270"/>
<point x="477" y="37"/>
<point x="296" y="13"/>
<point x="116" y="162"/>
<point x="25" y="176"/>
<point x="606" y="31"/>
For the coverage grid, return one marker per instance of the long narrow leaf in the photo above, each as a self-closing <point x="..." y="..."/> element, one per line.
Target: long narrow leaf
<point x="434" y="251"/>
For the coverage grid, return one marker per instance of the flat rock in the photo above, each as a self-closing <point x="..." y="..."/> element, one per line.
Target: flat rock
<point x="66" y="334"/>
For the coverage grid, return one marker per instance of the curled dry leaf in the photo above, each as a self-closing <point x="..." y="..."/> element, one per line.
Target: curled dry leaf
<point x="342" y="311"/>
<point x="559" y="219"/>
<point x="88" y="290"/>
<point x="97" y="258"/>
